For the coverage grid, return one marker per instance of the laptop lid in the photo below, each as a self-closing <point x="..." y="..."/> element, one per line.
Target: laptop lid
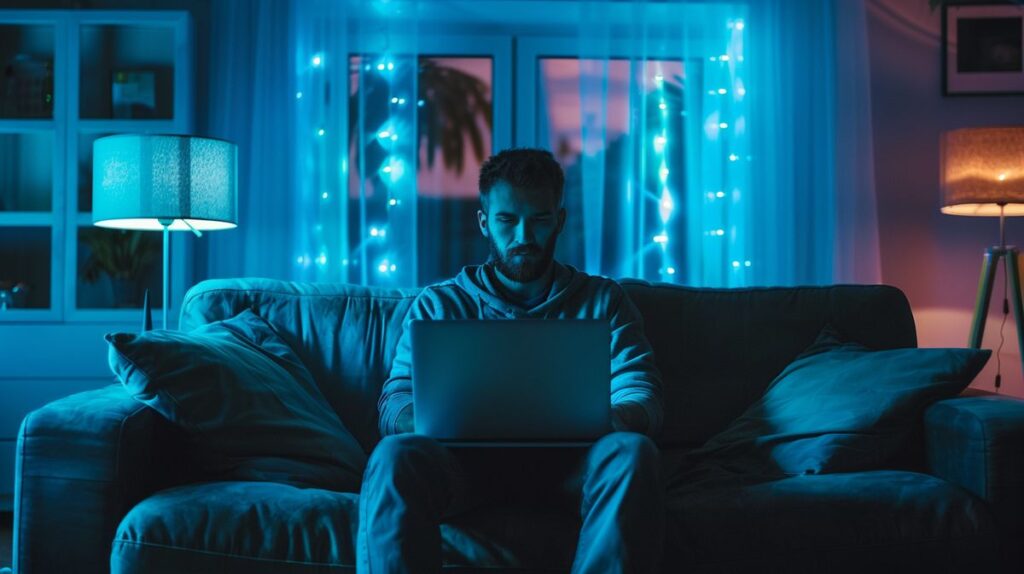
<point x="524" y="380"/>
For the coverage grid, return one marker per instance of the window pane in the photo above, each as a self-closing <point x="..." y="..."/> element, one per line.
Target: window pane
<point x="454" y="118"/>
<point x="24" y="268"/>
<point x="627" y="116"/>
<point x="26" y="171"/>
<point x="26" y="85"/>
<point x="127" y="72"/>
<point x="455" y="139"/>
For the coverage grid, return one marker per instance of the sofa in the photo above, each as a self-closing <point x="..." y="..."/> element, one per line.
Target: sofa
<point x="105" y="483"/>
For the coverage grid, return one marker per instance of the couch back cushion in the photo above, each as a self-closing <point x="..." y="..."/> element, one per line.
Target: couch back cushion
<point x="345" y="334"/>
<point x="718" y="349"/>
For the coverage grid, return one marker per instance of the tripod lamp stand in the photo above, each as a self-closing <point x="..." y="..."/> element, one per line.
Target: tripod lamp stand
<point x="165" y="183"/>
<point x="982" y="175"/>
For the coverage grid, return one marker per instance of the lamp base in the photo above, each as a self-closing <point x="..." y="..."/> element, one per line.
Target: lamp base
<point x="1011" y="258"/>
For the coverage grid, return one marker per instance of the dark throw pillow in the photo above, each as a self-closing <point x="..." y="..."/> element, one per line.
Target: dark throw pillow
<point x="246" y="399"/>
<point x="839" y="407"/>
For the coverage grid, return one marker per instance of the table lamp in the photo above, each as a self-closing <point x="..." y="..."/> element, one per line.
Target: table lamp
<point x="982" y="174"/>
<point x="164" y="182"/>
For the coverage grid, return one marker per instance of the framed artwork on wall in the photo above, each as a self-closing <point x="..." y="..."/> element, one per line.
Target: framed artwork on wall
<point x="983" y="49"/>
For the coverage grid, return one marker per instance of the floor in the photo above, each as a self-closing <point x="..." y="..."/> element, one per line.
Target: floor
<point x="6" y="522"/>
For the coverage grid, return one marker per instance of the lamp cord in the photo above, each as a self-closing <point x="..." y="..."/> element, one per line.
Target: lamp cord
<point x="1006" y="313"/>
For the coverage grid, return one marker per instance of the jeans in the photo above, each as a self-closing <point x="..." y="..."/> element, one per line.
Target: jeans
<point x="412" y="483"/>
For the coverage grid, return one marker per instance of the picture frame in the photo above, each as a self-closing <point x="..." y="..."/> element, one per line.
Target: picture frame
<point x="983" y="49"/>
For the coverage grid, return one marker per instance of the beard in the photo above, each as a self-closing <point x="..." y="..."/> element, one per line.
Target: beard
<point x="524" y="269"/>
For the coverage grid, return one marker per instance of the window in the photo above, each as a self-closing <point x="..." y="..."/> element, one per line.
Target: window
<point x="410" y="207"/>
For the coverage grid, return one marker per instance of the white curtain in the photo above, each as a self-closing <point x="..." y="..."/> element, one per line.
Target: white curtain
<point x="705" y="143"/>
<point x="750" y="163"/>
<point x="251" y="74"/>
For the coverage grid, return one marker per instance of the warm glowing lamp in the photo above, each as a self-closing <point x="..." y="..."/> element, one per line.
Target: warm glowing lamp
<point x="982" y="174"/>
<point x="164" y="182"/>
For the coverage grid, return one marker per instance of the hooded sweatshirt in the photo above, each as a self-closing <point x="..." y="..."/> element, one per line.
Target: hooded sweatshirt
<point x="475" y="293"/>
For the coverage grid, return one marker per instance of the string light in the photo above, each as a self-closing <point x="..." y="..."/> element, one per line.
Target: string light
<point x="392" y="170"/>
<point x="671" y="270"/>
<point x="320" y="132"/>
<point x="661" y="238"/>
<point x="659" y="143"/>
<point x="317" y="60"/>
<point x="298" y="95"/>
<point x="324" y="195"/>
<point x="666" y="205"/>
<point x="722" y="91"/>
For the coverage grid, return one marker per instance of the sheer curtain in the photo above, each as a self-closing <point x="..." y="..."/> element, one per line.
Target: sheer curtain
<point x="250" y="102"/>
<point x="723" y="144"/>
<point x="705" y="143"/>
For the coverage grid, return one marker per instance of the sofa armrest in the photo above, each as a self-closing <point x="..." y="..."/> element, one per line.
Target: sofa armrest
<point x="978" y="443"/>
<point x="82" y="462"/>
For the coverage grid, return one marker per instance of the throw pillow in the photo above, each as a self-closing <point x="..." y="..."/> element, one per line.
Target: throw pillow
<point x="246" y="399"/>
<point x="839" y="407"/>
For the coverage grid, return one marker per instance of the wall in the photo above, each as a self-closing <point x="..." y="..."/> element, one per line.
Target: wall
<point x="934" y="258"/>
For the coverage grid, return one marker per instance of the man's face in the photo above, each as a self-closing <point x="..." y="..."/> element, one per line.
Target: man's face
<point x="521" y="227"/>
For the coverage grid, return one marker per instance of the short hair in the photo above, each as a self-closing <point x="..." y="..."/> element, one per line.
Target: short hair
<point x="522" y="168"/>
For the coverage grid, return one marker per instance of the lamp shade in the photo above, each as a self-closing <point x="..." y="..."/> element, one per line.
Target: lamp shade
<point x="982" y="168"/>
<point x="146" y="181"/>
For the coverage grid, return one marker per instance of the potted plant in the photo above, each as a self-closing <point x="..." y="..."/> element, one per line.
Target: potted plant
<point x="124" y="256"/>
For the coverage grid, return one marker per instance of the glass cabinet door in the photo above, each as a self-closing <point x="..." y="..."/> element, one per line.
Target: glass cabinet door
<point x="126" y="72"/>
<point x="27" y="82"/>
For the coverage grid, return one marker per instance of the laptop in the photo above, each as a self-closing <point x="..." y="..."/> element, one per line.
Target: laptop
<point x="523" y="382"/>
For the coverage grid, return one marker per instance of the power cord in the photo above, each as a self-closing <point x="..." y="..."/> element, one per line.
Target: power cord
<point x="1006" y="313"/>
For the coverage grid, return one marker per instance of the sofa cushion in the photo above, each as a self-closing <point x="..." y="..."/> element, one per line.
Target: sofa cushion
<point x="718" y="349"/>
<point x="274" y="528"/>
<point x="239" y="527"/>
<point x="840" y="407"/>
<point x="851" y="522"/>
<point x="241" y="393"/>
<point x="346" y="335"/>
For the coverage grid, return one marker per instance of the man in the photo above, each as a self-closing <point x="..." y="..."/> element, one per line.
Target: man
<point x="412" y="482"/>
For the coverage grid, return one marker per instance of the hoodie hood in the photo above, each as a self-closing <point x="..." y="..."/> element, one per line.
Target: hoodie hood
<point x="480" y="282"/>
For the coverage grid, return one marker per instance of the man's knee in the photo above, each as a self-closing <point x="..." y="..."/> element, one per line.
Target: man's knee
<point x="403" y="451"/>
<point x="625" y="450"/>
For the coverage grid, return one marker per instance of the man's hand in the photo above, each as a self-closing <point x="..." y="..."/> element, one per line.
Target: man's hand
<point x="629" y="416"/>
<point x="405" y="423"/>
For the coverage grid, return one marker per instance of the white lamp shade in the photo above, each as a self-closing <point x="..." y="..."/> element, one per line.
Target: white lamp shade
<point x="981" y="169"/>
<point x="147" y="181"/>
